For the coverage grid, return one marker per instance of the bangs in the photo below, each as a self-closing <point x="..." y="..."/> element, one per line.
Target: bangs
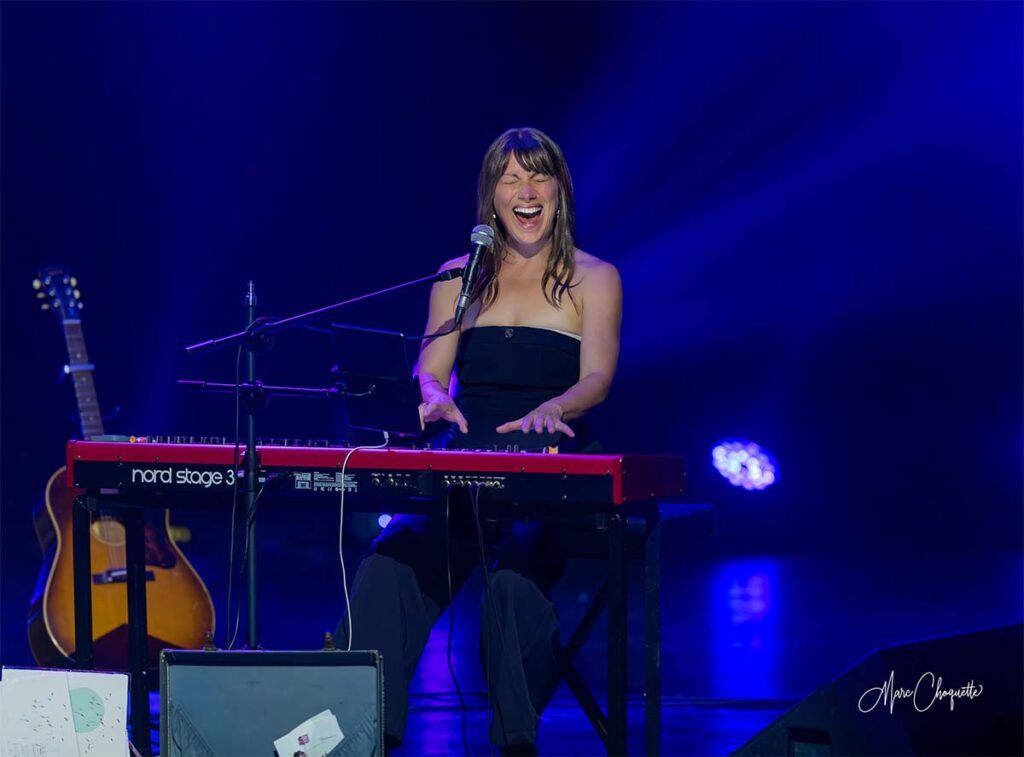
<point x="531" y="154"/>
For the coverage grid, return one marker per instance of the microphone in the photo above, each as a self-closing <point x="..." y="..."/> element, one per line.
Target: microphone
<point x="482" y="238"/>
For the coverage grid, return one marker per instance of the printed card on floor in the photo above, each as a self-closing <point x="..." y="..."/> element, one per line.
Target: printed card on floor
<point x="98" y="704"/>
<point x="35" y="716"/>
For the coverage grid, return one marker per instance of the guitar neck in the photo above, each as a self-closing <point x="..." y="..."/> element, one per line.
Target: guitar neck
<point x="81" y="375"/>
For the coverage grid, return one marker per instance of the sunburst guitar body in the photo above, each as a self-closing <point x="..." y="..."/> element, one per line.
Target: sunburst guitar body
<point x="179" y="608"/>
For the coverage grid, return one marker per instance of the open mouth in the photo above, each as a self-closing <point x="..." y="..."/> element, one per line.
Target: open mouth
<point x="527" y="215"/>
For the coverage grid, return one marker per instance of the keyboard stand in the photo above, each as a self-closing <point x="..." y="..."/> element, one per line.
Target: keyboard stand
<point x="637" y="536"/>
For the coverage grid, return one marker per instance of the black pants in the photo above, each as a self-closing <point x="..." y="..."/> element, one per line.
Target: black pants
<point x="401" y="589"/>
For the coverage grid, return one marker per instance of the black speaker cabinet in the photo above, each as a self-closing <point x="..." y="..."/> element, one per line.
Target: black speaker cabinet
<point x="893" y="703"/>
<point x="239" y="703"/>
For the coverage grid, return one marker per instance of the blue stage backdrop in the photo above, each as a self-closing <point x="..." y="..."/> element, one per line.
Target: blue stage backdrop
<point x="815" y="207"/>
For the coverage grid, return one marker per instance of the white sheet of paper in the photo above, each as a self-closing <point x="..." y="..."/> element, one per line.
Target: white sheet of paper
<point x="99" y="707"/>
<point x="315" y="737"/>
<point x="99" y="704"/>
<point x="328" y="729"/>
<point x="35" y="717"/>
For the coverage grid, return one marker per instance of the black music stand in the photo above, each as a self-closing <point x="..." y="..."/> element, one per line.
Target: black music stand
<point x="375" y="380"/>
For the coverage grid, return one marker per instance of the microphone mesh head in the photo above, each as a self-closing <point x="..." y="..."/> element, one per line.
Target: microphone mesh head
<point x="482" y="235"/>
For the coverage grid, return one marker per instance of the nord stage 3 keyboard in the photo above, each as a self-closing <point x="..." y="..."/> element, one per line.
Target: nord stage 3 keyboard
<point x="511" y="477"/>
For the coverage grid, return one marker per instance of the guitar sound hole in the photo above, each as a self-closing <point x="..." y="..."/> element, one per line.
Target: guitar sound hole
<point x="108" y="531"/>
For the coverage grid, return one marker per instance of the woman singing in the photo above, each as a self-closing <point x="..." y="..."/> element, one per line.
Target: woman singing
<point x="536" y="350"/>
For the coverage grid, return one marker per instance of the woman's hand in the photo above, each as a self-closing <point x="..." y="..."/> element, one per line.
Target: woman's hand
<point x="438" y="405"/>
<point x="545" y="417"/>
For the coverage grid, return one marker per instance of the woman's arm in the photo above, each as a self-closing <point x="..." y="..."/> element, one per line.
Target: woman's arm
<point x="600" y="290"/>
<point x="437" y="356"/>
<point x="599" y="351"/>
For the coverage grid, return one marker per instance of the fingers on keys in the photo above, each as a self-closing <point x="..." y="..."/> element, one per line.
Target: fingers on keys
<point x="538" y="423"/>
<point x="434" y="411"/>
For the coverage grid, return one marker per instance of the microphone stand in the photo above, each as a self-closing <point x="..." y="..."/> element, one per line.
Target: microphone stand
<point x="257" y="339"/>
<point x="251" y="478"/>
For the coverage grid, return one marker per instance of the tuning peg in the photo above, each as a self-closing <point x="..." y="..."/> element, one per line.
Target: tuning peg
<point x="74" y="281"/>
<point x="81" y="305"/>
<point x="40" y="295"/>
<point x="37" y="284"/>
<point x="78" y="295"/>
<point x="44" y="306"/>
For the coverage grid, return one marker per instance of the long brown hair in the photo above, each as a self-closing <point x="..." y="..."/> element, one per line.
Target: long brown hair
<point x="537" y="153"/>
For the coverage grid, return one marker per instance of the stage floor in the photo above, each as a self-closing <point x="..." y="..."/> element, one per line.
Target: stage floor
<point x="744" y="639"/>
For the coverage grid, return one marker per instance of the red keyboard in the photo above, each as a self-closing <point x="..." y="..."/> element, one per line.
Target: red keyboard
<point x="385" y="473"/>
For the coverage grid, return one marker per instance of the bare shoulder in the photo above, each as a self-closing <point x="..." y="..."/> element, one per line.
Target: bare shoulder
<point x="459" y="262"/>
<point x="450" y="285"/>
<point x="595" y="275"/>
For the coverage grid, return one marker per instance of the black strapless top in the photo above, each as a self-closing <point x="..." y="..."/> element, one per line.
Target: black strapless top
<point x="504" y="372"/>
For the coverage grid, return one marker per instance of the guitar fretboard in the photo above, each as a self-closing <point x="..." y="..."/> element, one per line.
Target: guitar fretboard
<point x="85" y="389"/>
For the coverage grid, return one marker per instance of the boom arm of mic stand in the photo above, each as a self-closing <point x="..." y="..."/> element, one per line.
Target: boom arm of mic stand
<point x="256" y="336"/>
<point x="260" y="392"/>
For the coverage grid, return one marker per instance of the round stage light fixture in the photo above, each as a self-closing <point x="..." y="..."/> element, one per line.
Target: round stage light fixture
<point x="744" y="463"/>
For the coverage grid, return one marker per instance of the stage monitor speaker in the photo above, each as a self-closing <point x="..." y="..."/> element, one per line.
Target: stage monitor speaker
<point x="240" y="703"/>
<point x="953" y="695"/>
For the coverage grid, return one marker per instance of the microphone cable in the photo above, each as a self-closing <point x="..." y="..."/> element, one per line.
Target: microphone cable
<point x="234" y="491"/>
<point x="341" y="530"/>
<point x="451" y="615"/>
<point x="474" y="499"/>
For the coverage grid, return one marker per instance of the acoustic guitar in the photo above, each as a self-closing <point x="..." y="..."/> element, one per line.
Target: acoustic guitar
<point x="179" y="608"/>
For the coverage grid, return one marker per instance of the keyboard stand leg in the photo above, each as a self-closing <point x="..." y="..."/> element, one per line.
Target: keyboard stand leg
<point x="82" y="580"/>
<point x="586" y="700"/>
<point x="138" y="633"/>
<point x="652" y="630"/>
<point x="567" y="654"/>
<point x="617" y="651"/>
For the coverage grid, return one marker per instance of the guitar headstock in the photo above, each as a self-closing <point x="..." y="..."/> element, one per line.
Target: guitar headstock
<point x="57" y="290"/>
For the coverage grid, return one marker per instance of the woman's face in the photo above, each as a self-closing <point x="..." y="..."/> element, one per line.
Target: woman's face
<point x="526" y="203"/>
